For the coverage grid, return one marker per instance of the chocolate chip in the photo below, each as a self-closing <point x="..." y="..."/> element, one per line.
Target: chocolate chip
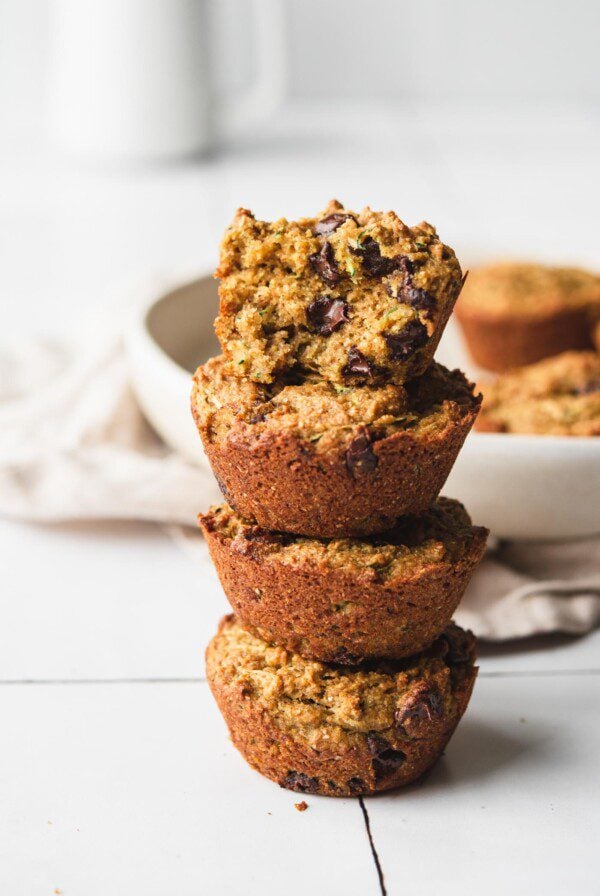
<point x="417" y="298"/>
<point x="360" y="456"/>
<point x="357" y="364"/>
<point x="385" y="759"/>
<point x="257" y="418"/>
<point x="374" y="263"/>
<point x="326" y="314"/>
<point x="324" y="264"/>
<point x="331" y="222"/>
<point x="300" y="782"/>
<point x="402" y="345"/>
<point x="356" y="785"/>
<point x="458" y="645"/>
<point x="425" y="705"/>
<point x="587" y="389"/>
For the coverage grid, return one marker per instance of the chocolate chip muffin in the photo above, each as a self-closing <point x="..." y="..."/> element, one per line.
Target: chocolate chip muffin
<point x="357" y="298"/>
<point x="558" y="396"/>
<point x="317" y="728"/>
<point x="346" y="600"/>
<point x="513" y="313"/>
<point x="316" y="458"/>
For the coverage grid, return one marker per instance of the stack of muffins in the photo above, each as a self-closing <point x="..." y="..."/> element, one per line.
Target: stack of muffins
<point x="331" y="431"/>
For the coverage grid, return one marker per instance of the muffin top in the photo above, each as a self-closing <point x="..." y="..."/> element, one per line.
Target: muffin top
<point x="442" y="535"/>
<point x="324" y="414"/>
<point x="355" y="297"/>
<point x="528" y="289"/>
<point x="556" y="396"/>
<point x="327" y="705"/>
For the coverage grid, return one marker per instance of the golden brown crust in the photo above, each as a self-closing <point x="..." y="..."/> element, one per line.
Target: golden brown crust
<point x="351" y="297"/>
<point x="347" y="600"/>
<point x="557" y="396"/>
<point x="502" y="342"/>
<point x="323" y="729"/>
<point x="354" y="479"/>
<point x="514" y="314"/>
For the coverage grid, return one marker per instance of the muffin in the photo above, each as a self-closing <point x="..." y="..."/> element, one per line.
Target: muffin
<point x="559" y="396"/>
<point x="513" y="314"/>
<point x="356" y="298"/>
<point x="596" y="334"/>
<point x="346" y="600"/>
<point x="327" y="729"/>
<point x="315" y="458"/>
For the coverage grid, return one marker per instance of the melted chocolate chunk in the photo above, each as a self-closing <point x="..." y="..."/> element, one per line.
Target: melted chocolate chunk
<point x="374" y="263"/>
<point x="356" y="785"/>
<point x="458" y="646"/>
<point x="417" y="298"/>
<point x="331" y="222"/>
<point x="360" y="456"/>
<point x="425" y="705"/>
<point x="326" y="314"/>
<point x="357" y="364"/>
<point x="300" y="782"/>
<point x="402" y="345"/>
<point x="324" y="264"/>
<point x="385" y="759"/>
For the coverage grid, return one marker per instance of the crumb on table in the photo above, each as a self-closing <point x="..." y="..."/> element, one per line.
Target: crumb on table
<point x="301" y="807"/>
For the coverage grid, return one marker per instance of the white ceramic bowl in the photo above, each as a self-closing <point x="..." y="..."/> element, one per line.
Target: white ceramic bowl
<point x="522" y="487"/>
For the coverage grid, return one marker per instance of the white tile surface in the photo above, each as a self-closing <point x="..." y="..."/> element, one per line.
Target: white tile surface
<point x="135" y="789"/>
<point x="102" y="601"/>
<point x="512" y="807"/>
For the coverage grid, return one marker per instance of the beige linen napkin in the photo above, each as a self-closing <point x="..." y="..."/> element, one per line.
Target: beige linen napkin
<point x="74" y="445"/>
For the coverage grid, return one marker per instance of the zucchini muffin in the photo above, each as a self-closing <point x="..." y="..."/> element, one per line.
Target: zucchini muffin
<point x="353" y="297"/>
<point x="513" y="313"/>
<point x="559" y="396"/>
<point x="320" y="459"/>
<point x="346" y="600"/>
<point x="327" y="729"/>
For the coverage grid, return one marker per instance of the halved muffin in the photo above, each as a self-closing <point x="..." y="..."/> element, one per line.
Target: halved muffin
<point x="356" y="298"/>
<point x="319" y="459"/>
<point x="513" y="313"/>
<point x="558" y="396"/>
<point x="346" y="600"/>
<point x="317" y="728"/>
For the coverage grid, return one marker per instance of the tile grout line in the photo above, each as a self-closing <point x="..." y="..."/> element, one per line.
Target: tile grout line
<point x="372" y="845"/>
<point x="89" y="681"/>
<point x="537" y="673"/>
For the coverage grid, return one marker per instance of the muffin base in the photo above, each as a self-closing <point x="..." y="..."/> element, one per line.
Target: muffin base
<point x="285" y="485"/>
<point x="377" y="762"/>
<point x="340" y="614"/>
<point x="500" y="342"/>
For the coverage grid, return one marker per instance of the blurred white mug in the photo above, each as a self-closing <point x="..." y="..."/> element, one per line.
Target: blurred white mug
<point x="129" y="79"/>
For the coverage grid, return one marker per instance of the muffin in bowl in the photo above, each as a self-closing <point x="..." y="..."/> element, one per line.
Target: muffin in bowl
<point x="513" y="313"/>
<point x="558" y="396"/>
